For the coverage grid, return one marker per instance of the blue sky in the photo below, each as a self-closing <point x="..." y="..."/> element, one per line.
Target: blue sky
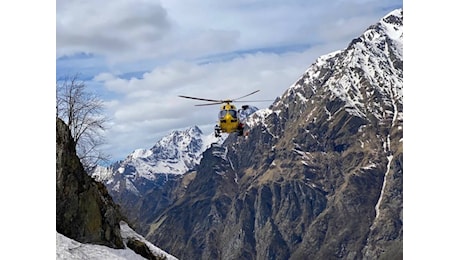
<point x="138" y="56"/>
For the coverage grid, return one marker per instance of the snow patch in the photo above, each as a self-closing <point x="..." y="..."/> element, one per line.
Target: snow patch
<point x="67" y="248"/>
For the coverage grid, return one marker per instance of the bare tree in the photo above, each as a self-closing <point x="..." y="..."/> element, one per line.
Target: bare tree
<point x="82" y="111"/>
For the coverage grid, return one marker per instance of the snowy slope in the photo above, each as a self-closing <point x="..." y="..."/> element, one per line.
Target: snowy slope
<point x="67" y="248"/>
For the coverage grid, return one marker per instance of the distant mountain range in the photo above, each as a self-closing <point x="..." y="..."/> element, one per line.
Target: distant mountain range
<point x="173" y="154"/>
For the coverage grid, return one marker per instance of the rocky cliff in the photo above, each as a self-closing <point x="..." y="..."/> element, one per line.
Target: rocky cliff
<point x="85" y="212"/>
<point x="319" y="175"/>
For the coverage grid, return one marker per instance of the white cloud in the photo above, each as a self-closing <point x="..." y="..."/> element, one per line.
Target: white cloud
<point x="107" y="28"/>
<point x="139" y="29"/>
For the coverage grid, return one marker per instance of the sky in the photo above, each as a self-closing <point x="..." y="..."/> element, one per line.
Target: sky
<point x="138" y="56"/>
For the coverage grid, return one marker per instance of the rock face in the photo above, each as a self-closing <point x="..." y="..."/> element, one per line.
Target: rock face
<point x="319" y="175"/>
<point x="84" y="210"/>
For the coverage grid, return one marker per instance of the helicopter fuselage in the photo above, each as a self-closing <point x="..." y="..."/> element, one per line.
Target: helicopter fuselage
<point x="228" y="120"/>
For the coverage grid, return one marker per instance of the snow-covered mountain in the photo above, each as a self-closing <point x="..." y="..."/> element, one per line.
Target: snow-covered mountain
<point x="174" y="154"/>
<point x="366" y="78"/>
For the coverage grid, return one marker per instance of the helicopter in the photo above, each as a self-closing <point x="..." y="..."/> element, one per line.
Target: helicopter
<point x="229" y="119"/>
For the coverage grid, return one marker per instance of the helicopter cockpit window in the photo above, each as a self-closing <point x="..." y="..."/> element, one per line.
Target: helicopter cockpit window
<point x="232" y="113"/>
<point x="222" y="113"/>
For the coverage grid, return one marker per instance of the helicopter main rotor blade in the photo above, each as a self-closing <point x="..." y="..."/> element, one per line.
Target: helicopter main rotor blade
<point x="246" y="95"/>
<point x="210" y="104"/>
<point x="248" y="101"/>
<point x="202" y="99"/>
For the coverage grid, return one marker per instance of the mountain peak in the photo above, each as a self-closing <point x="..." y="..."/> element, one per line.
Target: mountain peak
<point x="371" y="66"/>
<point x="176" y="153"/>
<point x="194" y="130"/>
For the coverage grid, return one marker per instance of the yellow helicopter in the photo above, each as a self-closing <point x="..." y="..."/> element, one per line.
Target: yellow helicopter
<point x="229" y="120"/>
